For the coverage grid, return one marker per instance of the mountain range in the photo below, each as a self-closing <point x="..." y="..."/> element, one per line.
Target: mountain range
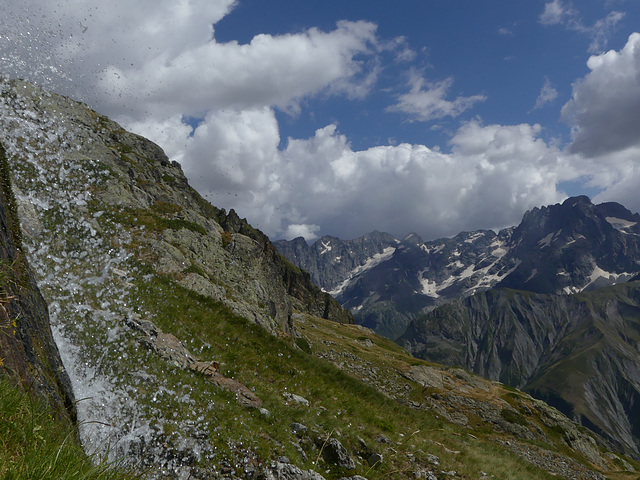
<point x="180" y="344"/>
<point x="386" y="282"/>
<point x="549" y="306"/>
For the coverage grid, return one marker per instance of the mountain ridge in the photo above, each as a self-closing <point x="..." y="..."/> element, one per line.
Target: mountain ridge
<point x="551" y="251"/>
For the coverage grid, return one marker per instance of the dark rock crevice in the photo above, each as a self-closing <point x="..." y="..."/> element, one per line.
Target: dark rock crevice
<point x="29" y="355"/>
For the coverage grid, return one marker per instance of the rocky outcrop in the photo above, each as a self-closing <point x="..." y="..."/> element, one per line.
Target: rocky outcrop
<point x="287" y="471"/>
<point x="335" y="453"/>
<point x="577" y="352"/>
<point x="299" y="283"/>
<point x="28" y="353"/>
<point x="171" y="349"/>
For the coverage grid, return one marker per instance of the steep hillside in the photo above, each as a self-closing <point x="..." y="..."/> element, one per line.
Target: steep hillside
<point x="195" y="351"/>
<point x="578" y="352"/>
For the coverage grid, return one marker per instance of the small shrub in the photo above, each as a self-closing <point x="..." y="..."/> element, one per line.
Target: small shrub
<point x="166" y="208"/>
<point x="513" y="417"/>
<point x="227" y="238"/>
<point x="303" y="343"/>
<point x="179" y="224"/>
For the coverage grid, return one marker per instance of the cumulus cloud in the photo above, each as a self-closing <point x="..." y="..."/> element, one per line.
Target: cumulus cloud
<point x="548" y="94"/>
<point x="558" y="12"/>
<point x="491" y="176"/>
<point x="604" y="113"/>
<point x="427" y="101"/>
<point x="308" y="232"/>
<point x="621" y="181"/>
<point x="161" y="57"/>
<point x="154" y="64"/>
<point x="604" y="109"/>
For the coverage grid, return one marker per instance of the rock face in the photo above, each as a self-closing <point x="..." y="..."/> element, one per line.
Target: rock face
<point x="573" y="247"/>
<point x="28" y="353"/>
<point x="577" y="352"/>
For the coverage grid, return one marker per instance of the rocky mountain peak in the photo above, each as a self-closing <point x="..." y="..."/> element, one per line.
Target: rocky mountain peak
<point x="412" y="240"/>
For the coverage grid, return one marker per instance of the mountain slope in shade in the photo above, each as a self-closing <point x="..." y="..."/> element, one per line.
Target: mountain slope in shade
<point x="578" y="352"/>
<point x="574" y="246"/>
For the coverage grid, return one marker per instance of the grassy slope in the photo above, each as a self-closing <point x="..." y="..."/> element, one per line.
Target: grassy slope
<point x="35" y="445"/>
<point x="340" y="405"/>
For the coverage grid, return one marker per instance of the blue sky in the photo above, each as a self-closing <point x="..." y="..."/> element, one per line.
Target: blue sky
<point x="334" y="117"/>
<point x="498" y="49"/>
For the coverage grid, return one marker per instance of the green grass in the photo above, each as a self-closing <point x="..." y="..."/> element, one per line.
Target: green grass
<point x="340" y="405"/>
<point x="154" y="221"/>
<point x="35" y="445"/>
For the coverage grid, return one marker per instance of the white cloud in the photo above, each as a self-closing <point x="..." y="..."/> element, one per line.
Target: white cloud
<point x="601" y="31"/>
<point x="558" y="12"/>
<point x="604" y="110"/>
<point x="151" y="64"/>
<point x="427" y="101"/>
<point x="161" y="58"/>
<point x="604" y="113"/>
<point x="621" y="181"/>
<point x="548" y="94"/>
<point x="493" y="174"/>
<point x="308" y="232"/>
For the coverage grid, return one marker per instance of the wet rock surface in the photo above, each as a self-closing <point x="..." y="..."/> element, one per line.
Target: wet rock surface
<point x="28" y="353"/>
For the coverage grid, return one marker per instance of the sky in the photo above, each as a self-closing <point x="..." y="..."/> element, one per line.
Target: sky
<point x="314" y="118"/>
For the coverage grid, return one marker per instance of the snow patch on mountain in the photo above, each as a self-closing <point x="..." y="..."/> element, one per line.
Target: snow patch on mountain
<point x="600" y="277"/>
<point x="377" y="259"/>
<point x="620" y="224"/>
<point x="429" y="287"/>
<point x="474" y="237"/>
<point x="487" y="280"/>
<point x="433" y="250"/>
<point x="499" y="248"/>
<point x="326" y="247"/>
<point x="546" y="241"/>
<point x="534" y="272"/>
